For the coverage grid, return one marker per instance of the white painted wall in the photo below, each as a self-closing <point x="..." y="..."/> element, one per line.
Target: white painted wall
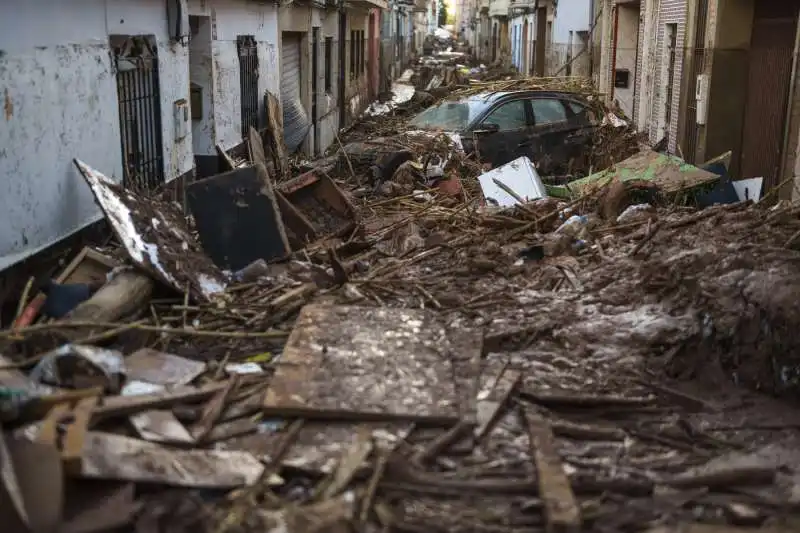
<point x="61" y="103"/>
<point x="571" y="16"/>
<point x="627" y="40"/>
<point x="201" y="74"/>
<point x="231" y="18"/>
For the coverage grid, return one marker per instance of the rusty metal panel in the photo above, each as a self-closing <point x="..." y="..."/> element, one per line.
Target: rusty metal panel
<point x="772" y="46"/>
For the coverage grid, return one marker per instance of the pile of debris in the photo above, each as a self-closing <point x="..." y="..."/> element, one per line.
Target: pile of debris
<point x="305" y="354"/>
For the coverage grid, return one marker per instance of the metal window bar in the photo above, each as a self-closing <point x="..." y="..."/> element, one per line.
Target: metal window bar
<point x="329" y="64"/>
<point x="363" y="51"/>
<point x="140" y="115"/>
<point x="248" y="82"/>
<point x="352" y="54"/>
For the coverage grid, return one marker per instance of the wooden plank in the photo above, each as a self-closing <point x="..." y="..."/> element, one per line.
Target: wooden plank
<point x="226" y="163"/>
<point x="256" y="144"/>
<point x="497" y="387"/>
<point x="214" y="409"/>
<point x="108" y="456"/>
<point x="561" y="510"/>
<point x="41" y="483"/>
<point x="367" y="363"/>
<point x="275" y="132"/>
<point x="127" y="405"/>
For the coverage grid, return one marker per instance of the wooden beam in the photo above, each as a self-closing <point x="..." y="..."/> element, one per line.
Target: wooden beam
<point x="561" y="510"/>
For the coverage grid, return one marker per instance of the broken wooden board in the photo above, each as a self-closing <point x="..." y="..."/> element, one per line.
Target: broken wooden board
<point x="360" y="363"/>
<point x="274" y="136"/>
<point x="155" y="236"/>
<point x="256" y="145"/>
<point x="318" y="446"/>
<point x="238" y="218"/>
<point x="561" y="509"/>
<point x="115" y="406"/>
<point x="41" y="483"/>
<point x="498" y="382"/>
<point x="299" y="230"/>
<point x="65" y="429"/>
<point x="160" y="368"/>
<point x="321" y="202"/>
<point x="107" y="456"/>
<point x="226" y="162"/>
<point x="161" y="426"/>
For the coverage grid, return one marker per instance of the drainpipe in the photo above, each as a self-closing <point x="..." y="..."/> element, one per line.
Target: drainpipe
<point x="614" y="52"/>
<point x="789" y="104"/>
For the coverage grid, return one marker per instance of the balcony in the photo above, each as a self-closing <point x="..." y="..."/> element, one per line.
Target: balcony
<point x="522" y="7"/>
<point x="499" y="8"/>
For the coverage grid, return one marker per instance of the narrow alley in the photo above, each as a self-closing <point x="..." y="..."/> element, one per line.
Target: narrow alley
<point x="400" y="265"/>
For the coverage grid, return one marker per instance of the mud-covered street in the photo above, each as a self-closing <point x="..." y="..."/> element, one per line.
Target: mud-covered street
<point x="409" y="334"/>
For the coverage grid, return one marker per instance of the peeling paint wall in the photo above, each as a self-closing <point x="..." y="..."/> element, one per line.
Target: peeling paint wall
<point x="60" y="102"/>
<point x="201" y="75"/>
<point x="229" y="19"/>
<point x="327" y="101"/>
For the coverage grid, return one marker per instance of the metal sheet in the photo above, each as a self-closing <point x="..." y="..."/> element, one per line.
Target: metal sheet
<point x="296" y="121"/>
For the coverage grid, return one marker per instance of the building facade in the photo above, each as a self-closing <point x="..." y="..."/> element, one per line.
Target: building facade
<point x="147" y="92"/>
<point x="709" y="76"/>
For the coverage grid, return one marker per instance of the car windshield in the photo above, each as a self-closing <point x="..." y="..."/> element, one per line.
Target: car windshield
<point x="448" y="116"/>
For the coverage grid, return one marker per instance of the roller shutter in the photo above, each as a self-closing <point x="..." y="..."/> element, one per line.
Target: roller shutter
<point x="296" y="122"/>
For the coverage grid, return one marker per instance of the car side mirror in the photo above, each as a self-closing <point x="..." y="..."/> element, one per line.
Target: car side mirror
<point x="487" y="128"/>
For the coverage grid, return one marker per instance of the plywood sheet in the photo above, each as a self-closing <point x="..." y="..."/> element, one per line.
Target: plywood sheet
<point x="363" y="363"/>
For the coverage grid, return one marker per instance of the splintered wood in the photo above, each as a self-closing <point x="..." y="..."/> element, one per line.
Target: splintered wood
<point x="372" y="364"/>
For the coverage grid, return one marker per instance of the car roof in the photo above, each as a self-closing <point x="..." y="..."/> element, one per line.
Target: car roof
<point x="495" y="96"/>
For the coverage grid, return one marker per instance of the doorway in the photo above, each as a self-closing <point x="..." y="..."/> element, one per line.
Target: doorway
<point x="626" y="47"/>
<point x="201" y="101"/>
<point x="525" y="38"/>
<point x="770" y="61"/>
<point x="139" y="98"/>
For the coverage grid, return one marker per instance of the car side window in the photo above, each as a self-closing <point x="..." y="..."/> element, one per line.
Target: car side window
<point x="548" y="111"/>
<point x="508" y="117"/>
<point x="580" y="112"/>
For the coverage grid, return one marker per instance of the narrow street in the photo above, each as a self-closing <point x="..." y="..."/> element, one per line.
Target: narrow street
<point x="442" y="292"/>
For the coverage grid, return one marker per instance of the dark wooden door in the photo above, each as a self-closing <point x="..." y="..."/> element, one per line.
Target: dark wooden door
<point x="770" y="71"/>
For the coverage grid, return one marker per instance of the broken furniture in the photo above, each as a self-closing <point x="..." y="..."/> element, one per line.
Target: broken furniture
<point x="313" y="207"/>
